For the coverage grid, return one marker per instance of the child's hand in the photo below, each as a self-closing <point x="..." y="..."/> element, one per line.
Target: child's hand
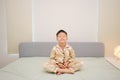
<point x="66" y="64"/>
<point x="60" y="65"/>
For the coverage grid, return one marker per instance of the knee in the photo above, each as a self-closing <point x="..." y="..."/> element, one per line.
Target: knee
<point x="78" y="66"/>
<point x="49" y="67"/>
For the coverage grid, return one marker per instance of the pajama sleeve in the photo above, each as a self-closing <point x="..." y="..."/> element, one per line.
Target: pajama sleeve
<point x="72" y="55"/>
<point x="52" y="56"/>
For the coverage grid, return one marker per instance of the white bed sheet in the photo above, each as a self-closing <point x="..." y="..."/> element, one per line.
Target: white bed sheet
<point x="31" y="68"/>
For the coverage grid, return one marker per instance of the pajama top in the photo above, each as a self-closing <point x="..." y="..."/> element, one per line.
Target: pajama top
<point x="60" y="56"/>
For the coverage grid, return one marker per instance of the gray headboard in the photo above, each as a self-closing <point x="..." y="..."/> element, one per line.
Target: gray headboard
<point x="43" y="49"/>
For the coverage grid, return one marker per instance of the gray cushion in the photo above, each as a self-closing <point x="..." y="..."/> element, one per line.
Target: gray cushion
<point x="43" y="49"/>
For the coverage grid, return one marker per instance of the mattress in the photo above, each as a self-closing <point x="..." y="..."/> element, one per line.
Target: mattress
<point x="31" y="68"/>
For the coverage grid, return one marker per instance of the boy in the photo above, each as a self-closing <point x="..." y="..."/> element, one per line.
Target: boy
<point x="62" y="58"/>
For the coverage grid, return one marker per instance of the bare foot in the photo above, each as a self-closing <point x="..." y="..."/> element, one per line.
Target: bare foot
<point x="70" y="71"/>
<point x="59" y="73"/>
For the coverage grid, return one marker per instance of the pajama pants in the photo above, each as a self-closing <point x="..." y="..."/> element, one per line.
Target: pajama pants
<point x="51" y="67"/>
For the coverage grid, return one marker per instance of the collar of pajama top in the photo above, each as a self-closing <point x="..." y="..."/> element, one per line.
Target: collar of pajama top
<point x="59" y="48"/>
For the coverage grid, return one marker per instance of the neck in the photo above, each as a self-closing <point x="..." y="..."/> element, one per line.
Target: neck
<point x="62" y="45"/>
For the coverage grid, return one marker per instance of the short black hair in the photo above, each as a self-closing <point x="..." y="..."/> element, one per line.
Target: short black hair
<point x="61" y="31"/>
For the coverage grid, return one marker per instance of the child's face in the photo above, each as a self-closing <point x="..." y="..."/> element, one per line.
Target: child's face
<point x="62" y="38"/>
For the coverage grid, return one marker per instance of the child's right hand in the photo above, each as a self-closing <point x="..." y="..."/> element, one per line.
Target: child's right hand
<point x="60" y="65"/>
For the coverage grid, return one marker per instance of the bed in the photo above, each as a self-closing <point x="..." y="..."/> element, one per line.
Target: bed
<point x="34" y="54"/>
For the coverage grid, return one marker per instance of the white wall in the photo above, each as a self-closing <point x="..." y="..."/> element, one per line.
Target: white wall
<point x="78" y="17"/>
